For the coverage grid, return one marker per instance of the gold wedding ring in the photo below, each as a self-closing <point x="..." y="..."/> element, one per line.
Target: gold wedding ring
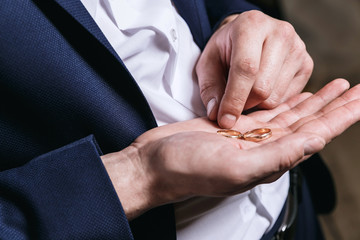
<point x="256" y="135"/>
<point x="230" y="133"/>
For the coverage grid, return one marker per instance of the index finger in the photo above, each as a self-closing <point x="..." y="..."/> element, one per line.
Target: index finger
<point x="244" y="65"/>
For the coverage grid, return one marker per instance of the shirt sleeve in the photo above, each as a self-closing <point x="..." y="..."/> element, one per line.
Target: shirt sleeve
<point x="64" y="194"/>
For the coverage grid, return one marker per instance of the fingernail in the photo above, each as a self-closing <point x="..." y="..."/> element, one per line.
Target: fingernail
<point x="313" y="145"/>
<point x="228" y="121"/>
<point x="210" y="106"/>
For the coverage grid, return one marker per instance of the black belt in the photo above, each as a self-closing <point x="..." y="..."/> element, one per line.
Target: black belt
<point x="284" y="228"/>
<point x="288" y="225"/>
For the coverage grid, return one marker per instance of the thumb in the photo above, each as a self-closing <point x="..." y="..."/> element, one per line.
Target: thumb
<point x="286" y="152"/>
<point x="211" y="75"/>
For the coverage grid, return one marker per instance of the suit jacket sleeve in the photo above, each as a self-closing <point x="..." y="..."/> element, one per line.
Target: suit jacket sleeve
<point x="203" y="17"/>
<point x="64" y="194"/>
<point x="218" y="10"/>
<point x="55" y="88"/>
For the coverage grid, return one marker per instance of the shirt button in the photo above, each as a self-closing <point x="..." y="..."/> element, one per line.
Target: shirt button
<point x="173" y="34"/>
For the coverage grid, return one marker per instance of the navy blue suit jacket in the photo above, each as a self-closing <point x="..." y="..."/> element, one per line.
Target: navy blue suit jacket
<point x="61" y="87"/>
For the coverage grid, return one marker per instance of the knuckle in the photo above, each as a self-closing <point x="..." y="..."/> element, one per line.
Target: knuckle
<point x="286" y="163"/>
<point x="231" y="104"/>
<point x="253" y="18"/>
<point x="206" y="88"/>
<point x="298" y="49"/>
<point x="254" y="15"/>
<point x="271" y="102"/>
<point x="262" y="92"/>
<point x="300" y="45"/>
<point x="307" y="66"/>
<point x="236" y="101"/>
<point x="247" y="66"/>
<point x="287" y="160"/>
<point x="287" y="31"/>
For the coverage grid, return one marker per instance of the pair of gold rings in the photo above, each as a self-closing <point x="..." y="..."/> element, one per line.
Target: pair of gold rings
<point x="256" y="135"/>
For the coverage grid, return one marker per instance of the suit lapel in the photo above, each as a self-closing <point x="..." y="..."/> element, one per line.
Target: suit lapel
<point x="76" y="25"/>
<point x="77" y="10"/>
<point x="156" y="223"/>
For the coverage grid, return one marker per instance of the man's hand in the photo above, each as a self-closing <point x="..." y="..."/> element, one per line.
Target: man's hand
<point x="177" y="161"/>
<point x="251" y="60"/>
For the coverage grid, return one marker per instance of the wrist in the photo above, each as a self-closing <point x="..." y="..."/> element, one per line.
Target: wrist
<point x="128" y="180"/>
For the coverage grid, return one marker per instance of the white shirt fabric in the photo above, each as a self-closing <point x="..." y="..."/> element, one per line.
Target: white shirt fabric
<point x="157" y="47"/>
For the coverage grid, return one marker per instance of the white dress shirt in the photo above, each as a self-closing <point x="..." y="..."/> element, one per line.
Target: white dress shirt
<point x="157" y="47"/>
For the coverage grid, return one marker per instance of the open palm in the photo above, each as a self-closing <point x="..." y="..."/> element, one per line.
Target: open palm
<point x="326" y="113"/>
<point x="185" y="159"/>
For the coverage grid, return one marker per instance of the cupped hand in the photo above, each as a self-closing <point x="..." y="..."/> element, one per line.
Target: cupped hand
<point x="251" y="60"/>
<point x="178" y="161"/>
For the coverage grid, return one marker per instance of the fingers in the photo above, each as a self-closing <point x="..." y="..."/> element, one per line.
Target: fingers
<point x="278" y="65"/>
<point x="286" y="151"/>
<point x="271" y="160"/>
<point x="295" y="72"/>
<point x="263" y="60"/>
<point x="267" y="115"/>
<point x="244" y="63"/>
<point x="312" y="104"/>
<point x="350" y="95"/>
<point x="306" y="103"/>
<point x="333" y="123"/>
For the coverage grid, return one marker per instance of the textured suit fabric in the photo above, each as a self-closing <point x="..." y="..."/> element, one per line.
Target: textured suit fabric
<point x="61" y="87"/>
